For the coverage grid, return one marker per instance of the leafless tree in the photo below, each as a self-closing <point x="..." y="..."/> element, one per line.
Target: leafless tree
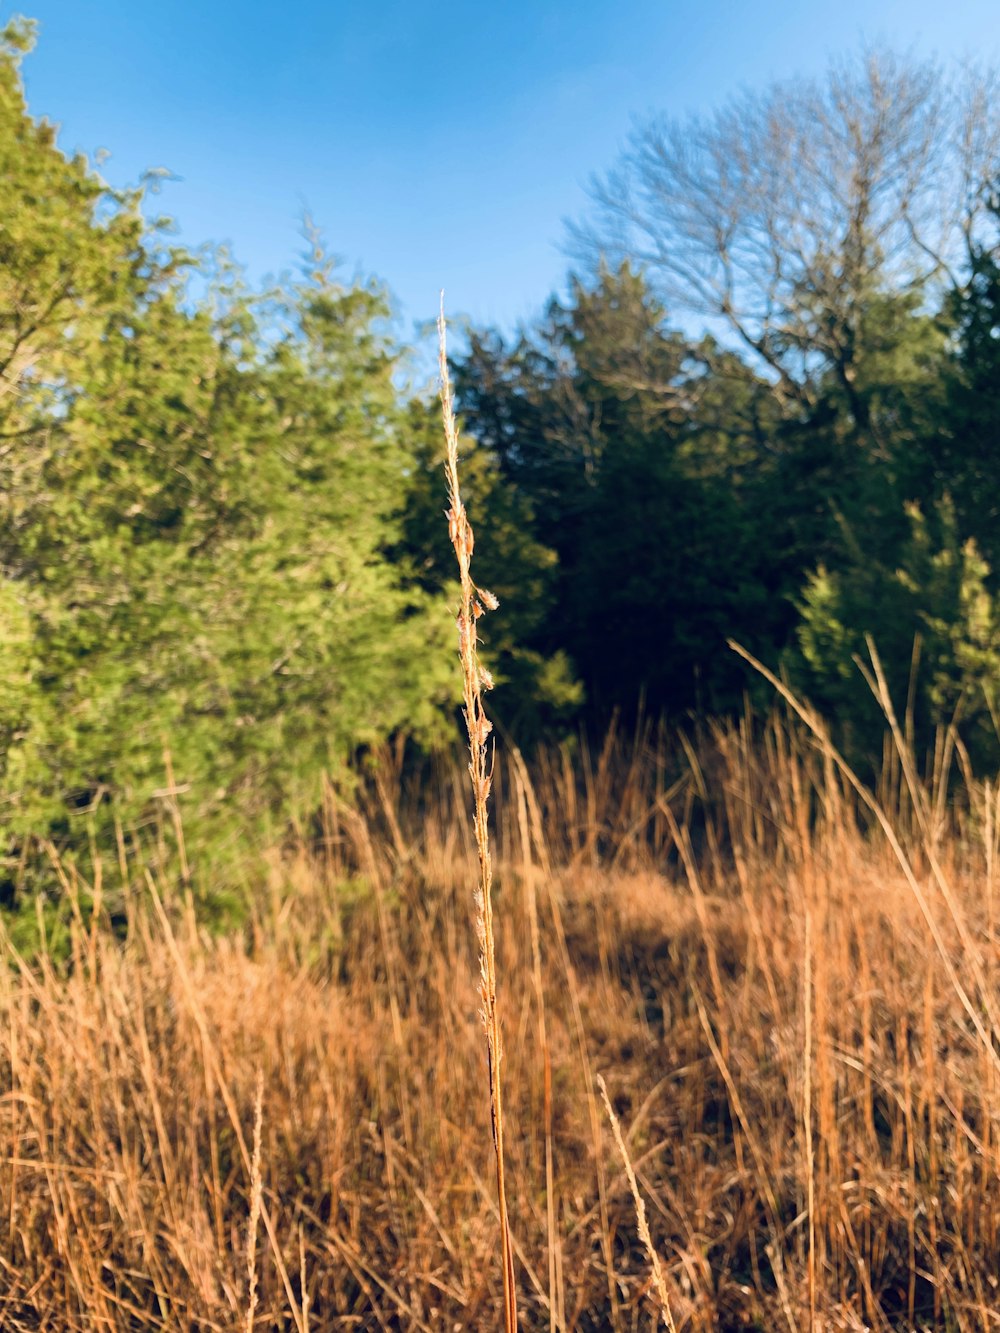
<point x="785" y="211"/>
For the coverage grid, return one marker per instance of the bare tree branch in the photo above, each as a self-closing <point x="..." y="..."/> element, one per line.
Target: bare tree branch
<point x="787" y="211"/>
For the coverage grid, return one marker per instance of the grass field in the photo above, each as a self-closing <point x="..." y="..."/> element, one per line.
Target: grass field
<point x="792" y="1006"/>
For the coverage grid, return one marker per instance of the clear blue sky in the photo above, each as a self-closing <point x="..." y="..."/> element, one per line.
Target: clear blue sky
<point x="438" y="144"/>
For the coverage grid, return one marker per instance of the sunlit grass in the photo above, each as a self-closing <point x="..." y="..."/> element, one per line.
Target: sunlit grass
<point x="650" y="918"/>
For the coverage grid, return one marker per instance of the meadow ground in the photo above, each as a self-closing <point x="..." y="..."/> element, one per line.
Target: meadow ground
<point x="791" y="1002"/>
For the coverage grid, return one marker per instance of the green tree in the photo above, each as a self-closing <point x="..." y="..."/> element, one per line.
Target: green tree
<point x="537" y="691"/>
<point x="198" y="501"/>
<point x="592" y="419"/>
<point x="935" y="623"/>
<point x="964" y="454"/>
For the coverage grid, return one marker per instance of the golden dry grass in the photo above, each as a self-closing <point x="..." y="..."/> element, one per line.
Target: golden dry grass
<point x="673" y="922"/>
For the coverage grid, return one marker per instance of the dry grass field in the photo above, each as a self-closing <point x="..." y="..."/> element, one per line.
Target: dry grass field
<point x="791" y="1003"/>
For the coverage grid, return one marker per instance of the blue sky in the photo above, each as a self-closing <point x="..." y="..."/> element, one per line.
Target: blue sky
<point x="437" y="144"/>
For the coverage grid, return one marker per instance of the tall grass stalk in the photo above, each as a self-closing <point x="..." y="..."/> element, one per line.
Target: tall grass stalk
<point x="640" y="1210"/>
<point x="256" y="1194"/>
<point x="475" y="602"/>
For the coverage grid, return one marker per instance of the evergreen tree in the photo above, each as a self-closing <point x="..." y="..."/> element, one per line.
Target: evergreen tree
<point x="965" y="451"/>
<point x="537" y="690"/>
<point x="591" y="419"/>
<point x="935" y="624"/>
<point x="198" y="501"/>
